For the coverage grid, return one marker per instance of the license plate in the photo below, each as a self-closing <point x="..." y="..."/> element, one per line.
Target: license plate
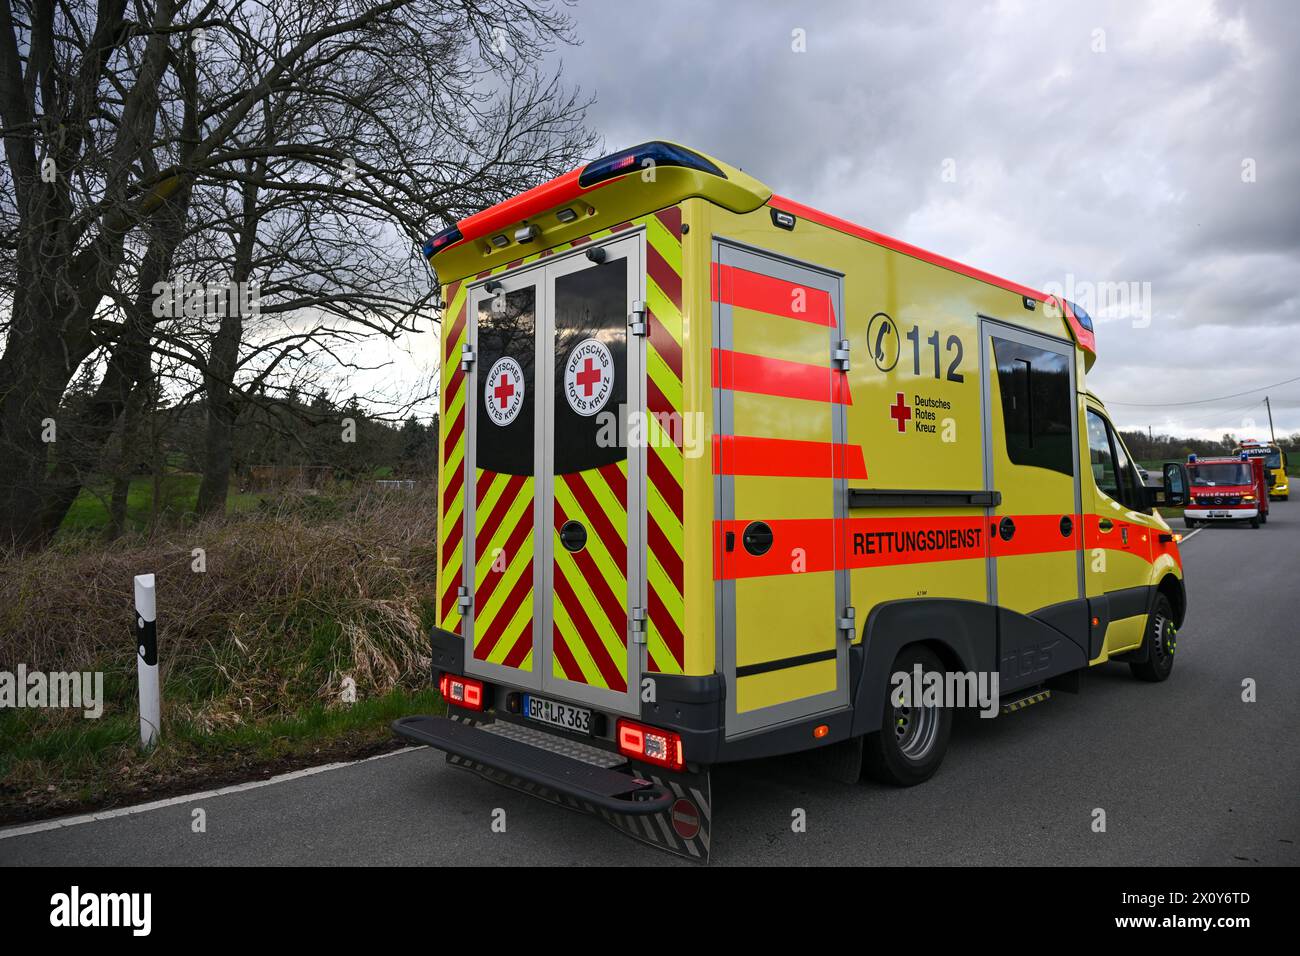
<point x="576" y="719"/>
<point x="1220" y="514"/>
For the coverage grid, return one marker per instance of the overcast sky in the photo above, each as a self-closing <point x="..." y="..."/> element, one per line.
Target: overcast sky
<point x="1084" y="145"/>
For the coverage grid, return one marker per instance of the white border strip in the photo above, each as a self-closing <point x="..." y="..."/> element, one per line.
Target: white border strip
<point x="1188" y="537"/>
<point x="60" y="822"/>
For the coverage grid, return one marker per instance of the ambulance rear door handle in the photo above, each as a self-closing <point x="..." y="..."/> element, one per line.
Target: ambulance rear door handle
<point x="731" y="541"/>
<point x="1123" y="535"/>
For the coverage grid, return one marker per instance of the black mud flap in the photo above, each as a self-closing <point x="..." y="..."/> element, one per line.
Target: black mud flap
<point x="674" y="812"/>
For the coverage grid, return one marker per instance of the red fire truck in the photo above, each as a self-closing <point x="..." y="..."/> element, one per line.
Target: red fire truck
<point x="1226" y="489"/>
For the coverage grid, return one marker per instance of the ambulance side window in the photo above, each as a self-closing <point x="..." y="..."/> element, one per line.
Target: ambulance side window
<point x="1111" y="468"/>
<point x="1100" y="457"/>
<point x="1037" y="405"/>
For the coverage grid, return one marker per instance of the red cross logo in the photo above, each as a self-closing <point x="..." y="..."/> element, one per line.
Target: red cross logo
<point x="900" y="413"/>
<point x="588" y="378"/>
<point x="504" y="391"/>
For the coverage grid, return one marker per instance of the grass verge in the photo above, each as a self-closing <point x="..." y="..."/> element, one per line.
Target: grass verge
<point x="269" y="622"/>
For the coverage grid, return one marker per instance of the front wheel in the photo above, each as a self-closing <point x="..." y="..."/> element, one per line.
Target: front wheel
<point x="1160" y="642"/>
<point x="912" y="740"/>
<point x="1189" y="523"/>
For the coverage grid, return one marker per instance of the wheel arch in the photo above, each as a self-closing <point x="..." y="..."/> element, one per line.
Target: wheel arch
<point x="1171" y="586"/>
<point x="962" y="633"/>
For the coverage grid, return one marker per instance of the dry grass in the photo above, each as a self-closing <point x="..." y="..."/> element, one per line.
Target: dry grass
<point x="296" y="597"/>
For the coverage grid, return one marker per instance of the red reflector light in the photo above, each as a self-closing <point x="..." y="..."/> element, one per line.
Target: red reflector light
<point x="821" y="730"/>
<point x="660" y="747"/>
<point x="461" y="691"/>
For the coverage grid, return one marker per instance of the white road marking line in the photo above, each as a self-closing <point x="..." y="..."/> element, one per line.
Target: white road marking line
<point x="60" y="822"/>
<point x="1189" y="537"/>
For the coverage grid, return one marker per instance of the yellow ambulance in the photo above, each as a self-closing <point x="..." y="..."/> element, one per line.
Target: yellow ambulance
<point x="716" y="468"/>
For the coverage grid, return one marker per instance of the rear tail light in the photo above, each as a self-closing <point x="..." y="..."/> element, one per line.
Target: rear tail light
<point x="660" y="747"/>
<point x="461" y="691"/>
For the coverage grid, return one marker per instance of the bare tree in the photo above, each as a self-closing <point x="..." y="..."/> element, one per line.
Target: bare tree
<point x="345" y="130"/>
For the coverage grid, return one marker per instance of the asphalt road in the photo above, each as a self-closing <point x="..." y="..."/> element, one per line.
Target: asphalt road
<point x="1186" y="772"/>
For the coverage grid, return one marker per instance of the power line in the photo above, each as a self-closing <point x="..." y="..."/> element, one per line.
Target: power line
<point x="1204" y="401"/>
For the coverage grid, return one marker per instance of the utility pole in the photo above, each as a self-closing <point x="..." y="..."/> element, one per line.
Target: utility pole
<point x="1271" y="434"/>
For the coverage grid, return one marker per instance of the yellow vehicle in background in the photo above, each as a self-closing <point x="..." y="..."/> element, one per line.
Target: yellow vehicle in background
<point x="1279" y="488"/>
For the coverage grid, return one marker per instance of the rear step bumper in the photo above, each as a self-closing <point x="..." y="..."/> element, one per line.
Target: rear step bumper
<point x="610" y="789"/>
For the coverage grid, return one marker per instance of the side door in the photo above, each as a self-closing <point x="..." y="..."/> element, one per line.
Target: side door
<point x="781" y="468"/>
<point x="1032" y="460"/>
<point x="591" y="518"/>
<point x="1118" y="549"/>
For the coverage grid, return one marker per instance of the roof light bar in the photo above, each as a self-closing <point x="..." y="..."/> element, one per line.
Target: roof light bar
<point x="655" y="152"/>
<point x="442" y="240"/>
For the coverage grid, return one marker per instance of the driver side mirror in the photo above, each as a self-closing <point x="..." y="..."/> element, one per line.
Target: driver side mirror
<point x="1174" y="491"/>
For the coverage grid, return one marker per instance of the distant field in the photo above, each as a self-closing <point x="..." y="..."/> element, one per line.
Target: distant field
<point x="178" y="496"/>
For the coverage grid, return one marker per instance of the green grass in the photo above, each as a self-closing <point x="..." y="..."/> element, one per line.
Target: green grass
<point x="178" y="499"/>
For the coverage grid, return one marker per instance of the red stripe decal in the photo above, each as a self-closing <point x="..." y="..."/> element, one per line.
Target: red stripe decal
<point x="457" y="327"/>
<point x="449" y="593"/>
<point x="484" y="588"/>
<point x="662" y="480"/>
<point x="616" y="481"/>
<point x="590" y="636"/>
<point x="503" y="504"/>
<point x="452" y="489"/>
<point x="786" y="458"/>
<point x="667" y="556"/>
<point x="596" y="519"/>
<point x="523" y="642"/>
<point x="658" y="406"/>
<point x="742" y="372"/>
<point x="523" y="587"/>
<point x="453" y="385"/>
<point x="610" y="603"/>
<point x="773" y="296"/>
<point x="880" y="239"/>
<point x="568" y="664"/>
<point x="453" y="539"/>
<point x="666" y="626"/>
<point x="453" y="435"/>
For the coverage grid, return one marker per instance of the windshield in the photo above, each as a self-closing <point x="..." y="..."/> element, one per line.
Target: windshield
<point x="1227" y="473"/>
<point x="1274" y="460"/>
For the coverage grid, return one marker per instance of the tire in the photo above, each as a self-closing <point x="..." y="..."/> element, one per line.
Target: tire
<point x="1189" y="522"/>
<point x="1263" y="518"/>
<point x="1254" y="522"/>
<point x="1159" y="642"/>
<point x="911" y="742"/>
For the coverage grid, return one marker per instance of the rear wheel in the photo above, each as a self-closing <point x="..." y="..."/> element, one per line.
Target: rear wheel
<point x="1159" y="642"/>
<point x="912" y="740"/>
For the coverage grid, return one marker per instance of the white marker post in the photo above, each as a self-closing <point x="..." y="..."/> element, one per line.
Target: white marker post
<point x="146" y="651"/>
